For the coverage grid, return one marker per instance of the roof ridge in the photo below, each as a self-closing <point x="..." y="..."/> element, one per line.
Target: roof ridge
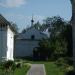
<point x="3" y="20"/>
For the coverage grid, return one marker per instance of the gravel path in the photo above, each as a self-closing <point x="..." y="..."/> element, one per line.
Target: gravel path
<point x="37" y="69"/>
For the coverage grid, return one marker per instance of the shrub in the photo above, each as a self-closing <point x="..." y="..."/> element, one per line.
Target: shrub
<point x="69" y="60"/>
<point x="9" y="66"/>
<point x="61" y="62"/>
<point x="18" y="65"/>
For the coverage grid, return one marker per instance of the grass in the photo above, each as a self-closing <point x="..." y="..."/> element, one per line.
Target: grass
<point x="22" y="71"/>
<point x="52" y="69"/>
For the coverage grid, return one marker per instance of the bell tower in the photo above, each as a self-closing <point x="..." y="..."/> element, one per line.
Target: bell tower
<point x="32" y="21"/>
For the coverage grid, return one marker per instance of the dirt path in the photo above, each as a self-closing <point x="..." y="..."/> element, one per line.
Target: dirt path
<point x="37" y="69"/>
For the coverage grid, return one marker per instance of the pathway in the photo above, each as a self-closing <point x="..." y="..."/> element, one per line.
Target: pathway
<point x="37" y="69"/>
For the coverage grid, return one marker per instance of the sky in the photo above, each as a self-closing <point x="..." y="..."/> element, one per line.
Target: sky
<point x="21" y="11"/>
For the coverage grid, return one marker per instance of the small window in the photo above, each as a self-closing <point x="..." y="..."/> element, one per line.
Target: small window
<point x="32" y="37"/>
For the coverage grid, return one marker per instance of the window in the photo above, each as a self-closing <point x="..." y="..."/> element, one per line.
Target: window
<point x="32" y="37"/>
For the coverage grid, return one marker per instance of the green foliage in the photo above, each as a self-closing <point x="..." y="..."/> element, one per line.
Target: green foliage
<point x="9" y="65"/>
<point x="18" y="65"/>
<point x="11" y="68"/>
<point x="43" y="51"/>
<point x="60" y="47"/>
<point x="61" y="62"/>
<point x="60" y="37"/>
<point x="15" y="27"/>
<point x="67" y="34"/>
<point x="37" y="25"/>
<point x="68" y="69"/>
<point x="44" y="48"/>
<point x="59" y="44"/>
<point x="44" y="43"/>
<point x="24" y="30"/>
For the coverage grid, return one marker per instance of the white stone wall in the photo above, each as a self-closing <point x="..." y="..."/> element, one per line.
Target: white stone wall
<point x="10" y="44"/>
<point x="3" y="43"/>
<point x="24" y="48"/>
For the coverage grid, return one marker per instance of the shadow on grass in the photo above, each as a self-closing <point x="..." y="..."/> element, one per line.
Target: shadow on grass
<point x="30" y="59"/>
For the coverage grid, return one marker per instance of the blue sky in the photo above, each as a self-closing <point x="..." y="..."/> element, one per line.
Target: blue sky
<point x="20" y="11"/>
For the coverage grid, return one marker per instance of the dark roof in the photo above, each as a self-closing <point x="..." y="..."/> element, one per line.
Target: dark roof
<point x="3" y="21"/>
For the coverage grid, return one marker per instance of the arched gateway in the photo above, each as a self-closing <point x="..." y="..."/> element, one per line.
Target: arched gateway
<point x="73" y="27"/>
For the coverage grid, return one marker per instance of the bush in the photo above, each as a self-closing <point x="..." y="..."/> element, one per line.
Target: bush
<point x="9" y="66"/>
<point x="18" y="65"/>
<point x="69" y="60"/>
<point x="61" y="62"/>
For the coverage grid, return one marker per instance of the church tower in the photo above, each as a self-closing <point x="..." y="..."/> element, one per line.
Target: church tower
<point x="32" y="21"/>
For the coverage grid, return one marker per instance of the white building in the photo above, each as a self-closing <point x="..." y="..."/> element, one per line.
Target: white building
<point x="27" y="41"/>
<point x="6" y="39"/>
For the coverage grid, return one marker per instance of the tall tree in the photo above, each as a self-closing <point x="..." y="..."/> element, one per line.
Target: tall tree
<point x="60" y="35"/>
<point x="37" y="25"/>
<point x="15" y="26"/>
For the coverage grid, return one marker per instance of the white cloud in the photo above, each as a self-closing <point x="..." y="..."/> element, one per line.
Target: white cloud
<point x="12" y="3"/>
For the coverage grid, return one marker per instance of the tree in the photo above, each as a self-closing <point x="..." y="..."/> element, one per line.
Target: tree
<point x="67" y="34"/>
<point x="15" y="27"/>
<point x="37" y="25"/>
<point x="60" y="42"/>
<point x="43" y="49"/>
<point x="53" y="24"/>
<point x="24" y="30"/>
<point x="60" y="36"/>
<point x="61" y="33"/>
<point x="60" y="48"/>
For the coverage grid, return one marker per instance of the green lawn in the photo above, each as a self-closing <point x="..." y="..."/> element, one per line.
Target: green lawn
<point x="22" y="71"/>
<point x="50" y="67"/>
